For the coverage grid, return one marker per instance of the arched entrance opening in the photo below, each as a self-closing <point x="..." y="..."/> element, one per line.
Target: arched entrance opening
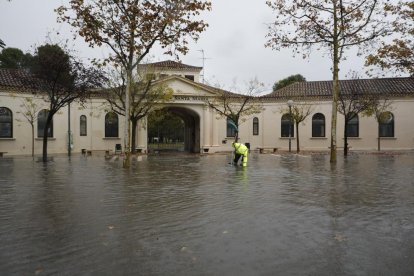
<point x="174" y="129"/>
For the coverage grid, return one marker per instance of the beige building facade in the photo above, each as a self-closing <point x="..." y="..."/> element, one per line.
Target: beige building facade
<point x="205" y="131"/>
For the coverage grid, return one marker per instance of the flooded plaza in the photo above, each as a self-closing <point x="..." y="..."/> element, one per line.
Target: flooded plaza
<point x="198" y="215"/>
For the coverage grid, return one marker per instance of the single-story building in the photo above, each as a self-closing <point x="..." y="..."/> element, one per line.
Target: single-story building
<point x="93" y="127"/>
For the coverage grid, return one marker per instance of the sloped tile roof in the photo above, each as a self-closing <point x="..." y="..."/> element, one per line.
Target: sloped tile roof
<point x="393" y="87"/>
<point x="22" y="81"/>
<point x="212" y="89"/>
<point x="220" y="91"/>
<point x="18" y="80"/>
<point x="170" y="64"/>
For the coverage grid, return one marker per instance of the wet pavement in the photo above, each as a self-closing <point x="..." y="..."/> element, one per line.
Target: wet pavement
<point x="198" y="215"/>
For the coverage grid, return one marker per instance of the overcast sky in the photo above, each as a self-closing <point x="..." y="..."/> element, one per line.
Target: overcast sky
<point x="233" y="44"/>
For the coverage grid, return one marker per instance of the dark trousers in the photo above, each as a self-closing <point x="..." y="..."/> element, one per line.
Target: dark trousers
<point x="236" y="158"/>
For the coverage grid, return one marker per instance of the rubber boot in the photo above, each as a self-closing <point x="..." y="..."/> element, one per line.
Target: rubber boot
<point x="244" y="161"/>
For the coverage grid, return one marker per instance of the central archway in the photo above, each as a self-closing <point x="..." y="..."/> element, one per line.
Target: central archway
<point x="191" y="128"/>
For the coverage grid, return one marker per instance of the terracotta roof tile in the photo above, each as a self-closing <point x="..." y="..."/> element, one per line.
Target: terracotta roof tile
<point x="220" y="91"/>
<point x="170" y="64"/>
<point x="323" y="89"/>
<point x="18" y="80"/>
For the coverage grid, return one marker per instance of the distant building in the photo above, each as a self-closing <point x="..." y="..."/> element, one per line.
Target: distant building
<point x="94" y="128"/>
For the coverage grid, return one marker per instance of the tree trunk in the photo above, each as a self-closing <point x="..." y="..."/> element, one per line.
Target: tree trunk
<point x="45" y="136"/>
<point x="335" y="92"/>
<point x="134" y="123"/>
<point x="297" y="138"/>
<point x="32" y="139"/>
<point x="44" y="155"/>
<point x="379" y="138"/>
<point x="127" y="140"/>
<point x="69" y="130"/>
<point x="346" y="138"/>
<point x="236" y="123"/>
<point x="334" y="115"/>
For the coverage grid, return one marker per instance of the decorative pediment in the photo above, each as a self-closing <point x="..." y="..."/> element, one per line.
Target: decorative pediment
<point x="186" y="88"/>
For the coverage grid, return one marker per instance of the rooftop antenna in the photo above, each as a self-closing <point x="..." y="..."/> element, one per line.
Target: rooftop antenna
<point x="203" y="58"/>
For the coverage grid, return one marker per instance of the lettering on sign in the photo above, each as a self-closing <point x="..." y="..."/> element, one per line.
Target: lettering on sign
<point x="190" y="98"/>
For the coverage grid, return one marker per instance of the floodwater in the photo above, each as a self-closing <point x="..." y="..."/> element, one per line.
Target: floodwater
<point x="198" y="215"/>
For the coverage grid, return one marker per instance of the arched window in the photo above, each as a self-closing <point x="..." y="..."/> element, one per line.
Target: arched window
<point x="318" y="125"/>
<point x="287" y="129"/>
<point x="41" y="123"/>
<point x="255" y="126"/>
<point x="6" y="123"/>
<point x="231" y="128"/>
<point x="83" y="125"/>
<point x="386" y="124"/>
<point x="111" y="124"/>
<point x="352" y="129"/>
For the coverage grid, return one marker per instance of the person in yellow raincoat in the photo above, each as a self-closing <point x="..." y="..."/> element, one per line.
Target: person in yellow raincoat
<point x="240" y="150"/>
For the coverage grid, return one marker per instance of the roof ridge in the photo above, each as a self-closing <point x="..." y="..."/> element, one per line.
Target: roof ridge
<point x="373" y="79"/>
<point x="172" y="64"/>
<point x="392" y="86"/>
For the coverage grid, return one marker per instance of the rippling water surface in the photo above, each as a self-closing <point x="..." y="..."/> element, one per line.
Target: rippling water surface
<point x="197" y="215"/>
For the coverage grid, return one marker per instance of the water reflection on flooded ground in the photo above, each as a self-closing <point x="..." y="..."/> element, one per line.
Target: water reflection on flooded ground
<point x="198" y="215"/>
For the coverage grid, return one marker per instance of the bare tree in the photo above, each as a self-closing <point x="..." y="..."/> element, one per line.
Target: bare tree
<point x="131" y="28"/>
<point x="299" y="113"/>
<point x="146" y="95"/>
<point x="237" y="107"/>
<point x="380" y="107"/>
<point x="353" y="100"/>
<point x="30" y="111"/>
<point x="333" y="25"/>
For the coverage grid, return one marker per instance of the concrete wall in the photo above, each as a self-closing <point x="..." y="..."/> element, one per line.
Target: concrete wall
<point x="270" y="129"/>
<point x="21" y="143"/>
<point x="211" y="129"/>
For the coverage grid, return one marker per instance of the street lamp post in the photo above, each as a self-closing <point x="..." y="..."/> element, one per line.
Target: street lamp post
<point x="290" y="103"/>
